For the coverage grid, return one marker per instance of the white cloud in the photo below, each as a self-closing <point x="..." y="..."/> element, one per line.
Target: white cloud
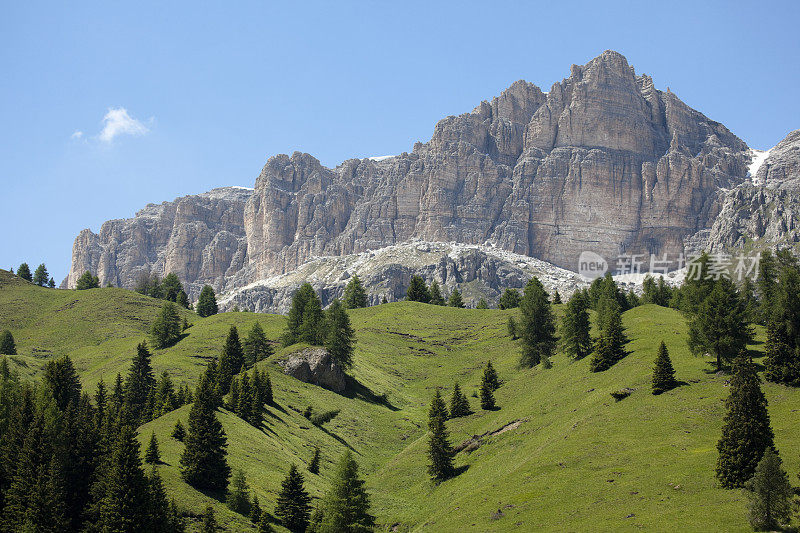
<point x="118" y="122"/>
<point x="77" y="134"/>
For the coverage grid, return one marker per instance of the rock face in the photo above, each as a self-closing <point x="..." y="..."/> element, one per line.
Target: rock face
<point x="314" y="365"/>
<point x="602" y="162"/>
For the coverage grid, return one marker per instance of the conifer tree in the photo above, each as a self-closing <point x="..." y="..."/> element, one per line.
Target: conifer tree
<point x="490" y="377"/>
<point x="436" y="294"/>
<point x="384" y="300"/>
<point x="719" y="326"/>
<point x="487" y="396"/>
<point x="209" y="521"/>
<point x="440" y="452"/>
<point x="207" y="302"/>
<point x="782" y="362"/>
<point x="152" y="456"/>
<point x="171" y="287"/>
<point x="513" y="328"/>
<point x="118" y="392"/>
<point x="166" y="328"/>
<point x="295" y="318"/>
<point x="124" y="505"/>
<point x="24" y="272"/>
<point x="203" y="462"/>
<point x="696" y="287"/>
<point x="313" y="322"/>
<point x="140" y="385"/>
<point x="509" y="300"/>
<point x="767" y="283"/>
<point x="557" y="298"/>
<point x="575" y="327"/>
<point x="746" y="432"/>
<point x="663" y="373"/>
<point x="63" y="381"/>
<point x="418" y="291"/>
<point x="179" y="432"/>
<point x="101" y="398"/>
<point x="293" y="506"/>
<point x="87" y="281"/>
<point x="255" y="510"/>
<point x="160" y="517"/>
<point x="183" y="300"/>
<point x="51" y="283"/>
<point x="345" y="506"/>
<point x="231" y="360"/>
<point x="7" y="344"/>
<point x="256" y="347"/>
<point x="537" y="328"/>
<point x="459" y="405"/>
<point x="354" y="294"/>
<point x="263" y="525"/>
<point x="455" y="299"/>
<point x="40" y="276"/>
<point x="238" y="499"/>
<point x="340" y="337"/>
<point x="609" y="346"/>
<point x="770" y="494"/>
<point x="165" y="399"/>
<point x="313" y="465"/>
<point x="482" y="304"/>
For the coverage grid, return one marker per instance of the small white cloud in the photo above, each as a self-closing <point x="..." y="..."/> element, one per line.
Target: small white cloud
<point x="118" y="122"/>
<point x="77" y="134"/>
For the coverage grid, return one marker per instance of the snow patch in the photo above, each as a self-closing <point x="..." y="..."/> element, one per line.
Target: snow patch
<point x="380" y="157"/>
<point x="759" y="156"/>
<point x="240" y="187"/>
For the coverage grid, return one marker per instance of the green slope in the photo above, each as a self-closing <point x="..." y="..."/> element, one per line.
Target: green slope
<point x="572" y="458"/>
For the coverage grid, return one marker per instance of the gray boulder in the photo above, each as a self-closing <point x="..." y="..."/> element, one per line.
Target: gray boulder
<point x="315" y="365"/>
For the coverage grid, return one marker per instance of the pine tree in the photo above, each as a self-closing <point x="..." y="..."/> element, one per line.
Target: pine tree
<point x="487" y="396"/>
<point x="24" y="272"/>
<point x="770" y="494"/>
<point x="782" y="362"/>
<point x="345" y="507"/>
<point x="418" y="291"/>
<point x="124" y="505"/>
<point x="455" y="299"/>
<point x="238" y="499"/>
<point x="440" y="452"/>
<point x="183" y="300"/>
<point x="313" y="321"/>
<point x="62" y="379"/>
<point x="509" y="300"/>
<point x="340" y="337"/>
<point x="482" y="304"/>
<point x="203" y="462"/>
<point x="746" y="432"/>
<point x="436" y="294"/>
<point x="101" y="398"/>
<point x="459" y="405"/>
<point x="207" y="302"/>
<point x="264" y="526"/>
<point x="7" y="344"/>
<point x="719" y="326"/>
<point x="313" y="465"/>
<point x="152" y="455"/>
<point x="166" y="329"/>
<point x="293" y="506"/>
<point x="354" y="295"/>
<point x="295" y="318"/>
<point x="140" y="385"/>
<point x="663" y="373"/>
<point x="575" y="327"/>
<point x="87" y="281"/>
<point x="767" y="284"/>
<point x="537" y="328"/>
<point x="256" y="347"/>
<point x="171" y="287"/>
<point x="209" y="521"/>
<point x="179" y="432"/>
<point x="255" y="510"/>
<point x="160" y="517"/>
<point x="231" y="360"/>
<point x="164" y="399"/>
<point x="557" y="298"/>
<point x="41" y="276"/>
<point x="696" y="287"/>
<point x="51" y="283"/>
<point x="513" y="328"/>
<point x="609" y="346"/>
<point x="490" y="377"/>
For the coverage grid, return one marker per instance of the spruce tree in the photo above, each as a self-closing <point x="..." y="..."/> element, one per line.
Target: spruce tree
<point x="438" y="409"/>
<point x="767" y="283"/>
<point x="509" y="300"/>
<point x="62" y="379"/>
<point x="782" y="362"/>
<point x="313" y="321"/>
<point x="436" y="294"/>
<point x="440" y="452"/>
<point x="663" y="373"/>
<point x="490" y="377"/>
<point x="293" y="506"/>
<point x="124" y="505"/>
<point x="51" y="283"/>
<point x="209" y="521"/>
<point x="7" y="344"/>
<point x="575" y="327"/>
<point x="770" y="494"/>
<point x="557" y="298"/>
<point x="24" y="272"/>
<point x="87" y="281"/>
<point x="255" y="510"/>
<point x="719" y="326"/>
<point x="354" y="294"/>
<point x="313" y="465"/>
<point x="183" y="300"/>
<point x="238" y="498"/>
<point x="418" y="291"/>
<point x="203" y="462"/>
<point x="207" y="302"/>
<point x="40" y="276"/>
<point x="609" y="347"/>
<point x="340" y="335"/>
<point x="295" y="317"/>
<point x="537" y="327"/>
<point x="256" y="347"/>
<point x="231" y="360"/>
<point x="459" y="405"/>
<point x="746" y="432"/>
<point x="152" y="456"/>
<point x="487" y="396"/>
<point x="160" y="516"/>
<point x="263" y="525"/>
<point x="179" y="432"/>
<point x="482" y="304"/>
<point x="140" y="386"/>
<point x="171" y="287"/>
<point x="345" y="506"/>
<point x="166" y="328"/>
<point x="513" y="328"/>
<point x="455" y="299"/>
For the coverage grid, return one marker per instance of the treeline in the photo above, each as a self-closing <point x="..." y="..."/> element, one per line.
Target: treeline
<point x="39" y="277"/>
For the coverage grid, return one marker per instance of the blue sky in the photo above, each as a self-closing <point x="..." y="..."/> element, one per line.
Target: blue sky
<point x="106" y="107"/>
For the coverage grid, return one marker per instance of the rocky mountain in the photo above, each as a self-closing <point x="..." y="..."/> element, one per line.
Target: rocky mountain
<point x="603" y="162"/>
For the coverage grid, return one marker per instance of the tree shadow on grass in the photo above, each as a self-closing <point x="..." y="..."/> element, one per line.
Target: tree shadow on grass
<point x="338" y="438"/>
<point x="357" y="390"/>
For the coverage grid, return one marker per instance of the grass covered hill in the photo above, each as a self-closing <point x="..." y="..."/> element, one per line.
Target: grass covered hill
<point x="559" y="454"/>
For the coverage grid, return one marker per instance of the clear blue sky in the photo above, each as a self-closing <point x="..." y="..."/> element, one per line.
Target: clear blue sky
<point x="210" y="90"/>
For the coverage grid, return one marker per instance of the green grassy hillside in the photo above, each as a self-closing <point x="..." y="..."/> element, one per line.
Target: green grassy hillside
<point x="560" y="453"/>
